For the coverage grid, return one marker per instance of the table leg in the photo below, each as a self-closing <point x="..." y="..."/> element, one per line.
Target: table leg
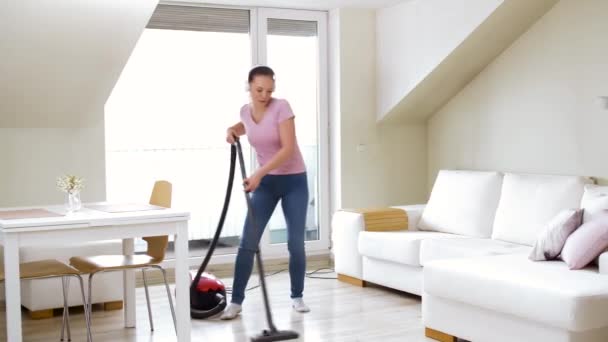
<point x="12" y="288"/>
<point x="128" y="248"/>
<point x="182" y="283"/>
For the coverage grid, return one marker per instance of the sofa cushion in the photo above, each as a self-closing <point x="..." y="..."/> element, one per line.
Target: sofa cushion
<point x="528" y="202"/>
<point x="462" y="202"/>
<point x="553" y="236"/>
<point x="401" y="247"/>
<point x="543" y="291"/>
<point x="436" y="249"/>
<point x="595" y="199"/>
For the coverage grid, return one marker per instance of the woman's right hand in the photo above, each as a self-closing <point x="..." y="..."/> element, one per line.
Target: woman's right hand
<point x="230" y="135"/>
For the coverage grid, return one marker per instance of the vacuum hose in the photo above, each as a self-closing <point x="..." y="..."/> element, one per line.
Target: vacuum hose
<point x="197" y="310"/>
<point x="272" y="334"/>
<point x="220" y="225"/>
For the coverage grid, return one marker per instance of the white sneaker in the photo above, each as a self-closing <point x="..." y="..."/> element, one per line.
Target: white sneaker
<point x="299" y="306"/>
<point x="231" y="311"/>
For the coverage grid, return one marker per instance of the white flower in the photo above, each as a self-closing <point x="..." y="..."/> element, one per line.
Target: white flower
<point x="70" y="183"/>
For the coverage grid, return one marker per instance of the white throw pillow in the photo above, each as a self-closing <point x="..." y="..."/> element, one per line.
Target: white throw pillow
<point x="462" y="202"/>
<point x="552" y="239"/>
<point x="595" y="199"/>
<point x="529" y="201"/>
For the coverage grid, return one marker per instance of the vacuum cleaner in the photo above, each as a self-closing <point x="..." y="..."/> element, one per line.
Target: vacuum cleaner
<point x="207" y="294"/>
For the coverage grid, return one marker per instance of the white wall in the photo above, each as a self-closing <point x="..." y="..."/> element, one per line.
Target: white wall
<point x="534" y="109"/>
<point x="60" y="60"/>
<point x="391" y="162"/>
<point x="415" y="36"/>
<point x="33" y="157"/>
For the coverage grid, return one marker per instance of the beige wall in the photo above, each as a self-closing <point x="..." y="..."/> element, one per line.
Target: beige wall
<point x="60" y="61"/>
<point x="378" y="165"/>
<point x="535" y="108"/>
<point x="33" y="157"/>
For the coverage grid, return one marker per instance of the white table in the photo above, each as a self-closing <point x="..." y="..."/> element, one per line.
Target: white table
<point x="87" y="225"/>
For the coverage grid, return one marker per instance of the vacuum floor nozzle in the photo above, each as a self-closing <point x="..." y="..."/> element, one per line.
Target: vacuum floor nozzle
<point x="277" y="335"/>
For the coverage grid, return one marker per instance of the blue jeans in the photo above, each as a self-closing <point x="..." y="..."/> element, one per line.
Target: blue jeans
<point x="292" y="190"/>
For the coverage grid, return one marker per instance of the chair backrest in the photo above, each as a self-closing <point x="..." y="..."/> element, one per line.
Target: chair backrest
<point x="161" y="196"/>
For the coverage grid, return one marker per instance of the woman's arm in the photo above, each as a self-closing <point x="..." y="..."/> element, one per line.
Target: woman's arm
<point x="237" y="129"/>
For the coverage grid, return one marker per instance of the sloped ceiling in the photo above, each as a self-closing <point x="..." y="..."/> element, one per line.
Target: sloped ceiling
<point x="501" y="28"/>
<point x="61" y="58"/>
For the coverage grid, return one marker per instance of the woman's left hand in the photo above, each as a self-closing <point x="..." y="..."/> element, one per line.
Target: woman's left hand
<point x="252" y="182"/>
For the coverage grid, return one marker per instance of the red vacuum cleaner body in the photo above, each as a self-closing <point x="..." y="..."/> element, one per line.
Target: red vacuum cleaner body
<point x="207" y="297"/>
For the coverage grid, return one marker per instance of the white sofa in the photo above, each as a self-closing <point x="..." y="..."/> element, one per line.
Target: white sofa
<point x="44" y="294"/>
<point x="466" y="253"/>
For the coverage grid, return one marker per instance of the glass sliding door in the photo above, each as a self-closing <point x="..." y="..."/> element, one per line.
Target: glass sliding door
<point x="167" y="116"/>
<point x="293" y="43"/>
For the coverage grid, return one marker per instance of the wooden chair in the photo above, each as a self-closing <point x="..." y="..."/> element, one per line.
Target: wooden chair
<point x="155" y="254"/>
<point x="55" y="269"/>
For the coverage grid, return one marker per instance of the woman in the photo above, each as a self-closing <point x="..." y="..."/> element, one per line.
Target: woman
<point x="269" y="125"/>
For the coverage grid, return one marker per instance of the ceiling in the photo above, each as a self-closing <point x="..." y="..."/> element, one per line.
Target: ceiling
<point x="304" y="4"/>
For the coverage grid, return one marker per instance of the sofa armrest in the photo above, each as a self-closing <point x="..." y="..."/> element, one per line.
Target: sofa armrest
<point x="603" y="263"/>
<point x="414" y="212"/>
<point x="345" y="228"/>
<point x="382" y="219"/>
<point x="348" y="223"/>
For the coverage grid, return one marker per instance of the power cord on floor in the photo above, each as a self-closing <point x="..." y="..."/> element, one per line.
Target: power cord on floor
<point x="266" y="276"/>
<point x="323" y="270"/>
<point x="229" y="289"/>
<point x="312" y="275"/>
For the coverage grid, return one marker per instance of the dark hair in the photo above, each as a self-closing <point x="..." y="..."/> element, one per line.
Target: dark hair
<point x="260" y="71"/>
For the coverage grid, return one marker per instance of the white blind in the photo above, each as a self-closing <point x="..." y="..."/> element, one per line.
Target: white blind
<point x="194" y="18"/>
<point x="287" y="27"/>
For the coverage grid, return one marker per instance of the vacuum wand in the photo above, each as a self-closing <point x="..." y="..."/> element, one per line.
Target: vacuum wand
<point x="272" y="334"/>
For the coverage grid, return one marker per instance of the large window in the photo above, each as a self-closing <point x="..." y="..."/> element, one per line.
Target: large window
<point x="182" y="87"/>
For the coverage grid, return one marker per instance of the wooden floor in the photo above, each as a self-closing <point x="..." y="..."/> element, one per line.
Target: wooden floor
<point x="339" y="312"/>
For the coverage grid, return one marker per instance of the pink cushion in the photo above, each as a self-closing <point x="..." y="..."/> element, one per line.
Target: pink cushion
<point x="587" y="242"/>
<point x="552" y="239"/>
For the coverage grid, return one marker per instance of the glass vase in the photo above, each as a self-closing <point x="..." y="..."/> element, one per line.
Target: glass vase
<point x="72" y="201"/>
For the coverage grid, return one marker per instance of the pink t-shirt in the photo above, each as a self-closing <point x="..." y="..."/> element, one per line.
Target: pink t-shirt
<point x="265" y="139"/>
